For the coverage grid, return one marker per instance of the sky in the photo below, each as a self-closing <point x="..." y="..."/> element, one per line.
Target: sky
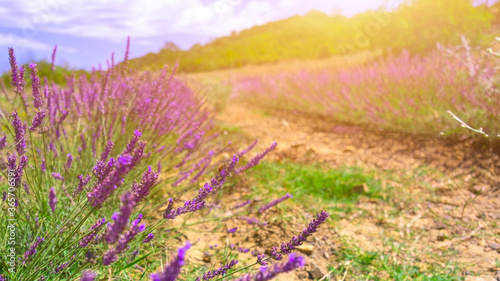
<point x="88" y="31"/>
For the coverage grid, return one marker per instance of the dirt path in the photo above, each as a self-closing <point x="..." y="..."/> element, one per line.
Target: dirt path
<point x="465" y="169"/>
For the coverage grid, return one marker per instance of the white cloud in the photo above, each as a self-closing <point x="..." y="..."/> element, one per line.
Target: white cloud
<point x="11" y="40"/>
<point x="116" y="19"/>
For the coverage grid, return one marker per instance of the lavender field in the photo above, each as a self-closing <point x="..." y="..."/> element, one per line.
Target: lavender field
<point x="284" y="151"/>
<point x="401" y="93"/>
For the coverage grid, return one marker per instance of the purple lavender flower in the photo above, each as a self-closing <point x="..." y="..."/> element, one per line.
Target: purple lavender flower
<point x="58" y="176"/>
<point x="260" y="259"/>
<point x="3" y="278"/>
<point x="3" y="142"/>
<point x="105" y="186"/>
<point x="13" y="68"/>
<point x="266" y="273"/>
<point x="122" y="245"/>
<point x="199" y="201"/>
<point x="171" y="271"/>
<point x="141" y="190"/>
<point x="274" y="203"/>
<point x="19" y="169"/>
<point x="37" y="120"/>
<point x="84" y="143"/>
<point x="43" y="165"/>
<point x="35" y="85"/>
<point x="297" y="240"/>
<point x="69" y="161"/>
<point x="102" y="168"/>
<point x="52" y="199"/>
<point x="26" y="188"/>
<point x="19" y="129"/>
<point x="17" y="74"/>
<point x="89" y="237"/>
<point x="148" y="238"/>
<point x="64" y="114"/>
<point x="53" y="66"/>
<point x="246" y="150"/>
<point x="32" y="249"/>
<point x="255" y="161"/>
<point x="82" y="183"/>
<point x="107" y="151"/>
<point x="134" y="254"/>
<point x="219" y="271"/>
<point x="232" y="230"/>
<point x="20" y="85"/>
<point x="252" y="221"/>
<point x="241" y="205"/>
<point x="4" y="196"/>
<point x="243" y="250"/>
<point x="63" y="265"/>
<point x="121" y="219"/>
<point x="133" y="141"/>
<point x="88" y="276"/>
<point x="53" y="149"/>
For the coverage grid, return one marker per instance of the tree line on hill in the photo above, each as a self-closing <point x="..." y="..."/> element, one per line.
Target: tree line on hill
<point x="416" y="25"/>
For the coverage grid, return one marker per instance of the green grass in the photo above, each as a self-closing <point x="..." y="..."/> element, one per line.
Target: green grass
<point x="337" y="190"/>
<point x="360" y="264"/>
<point x="314" y="182"/>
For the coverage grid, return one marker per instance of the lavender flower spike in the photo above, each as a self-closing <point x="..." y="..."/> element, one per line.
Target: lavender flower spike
<point x="3" y="142"/>
<point x="37" y="120"/>
<point x="82" y="183"/>
<point x="114" y="178"/>
<point x="58" y="176"/>
<point x="141" y="190"/>
<point x="241" y="205"/>
<point x="274" y="203"/>
<point x="32" y="250"/>
<point x="53" y="66"/>
<point x="17" y="74"/>
<point x="199" y="201"/>
<point x="219" y="271"/>
<point x="88" y="238"/>
<point x="171" y="271"/>
<point x="120" y="219"/>
<point x="88" y="276"/>
<point x="19" y="129"/>
<point x="111" y="255"/>
<point x="133" y="141"/>
<point x="232" y="230"/>
<point x="13" y="68"/>
<point x="148" y="238"/>
<point x="52" y="199"/>
<point x="69" y="161"/>
<point x="246" y="150"/>
<point x="266" y="273"/>
<point x="35" y="85"/>
<point x="297" y="240"/>
<point x="255" y="161"/>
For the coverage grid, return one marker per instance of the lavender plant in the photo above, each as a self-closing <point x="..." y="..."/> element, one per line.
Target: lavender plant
<point x="84" y="154"/>
<point x="404" y="92"/>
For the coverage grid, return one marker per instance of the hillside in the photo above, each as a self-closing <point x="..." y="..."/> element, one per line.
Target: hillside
<point x="416" y="26"/>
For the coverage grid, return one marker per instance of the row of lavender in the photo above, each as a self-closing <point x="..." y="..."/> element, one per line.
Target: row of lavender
<point x="79" y="179"/>
<point x="405" y="93"/>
